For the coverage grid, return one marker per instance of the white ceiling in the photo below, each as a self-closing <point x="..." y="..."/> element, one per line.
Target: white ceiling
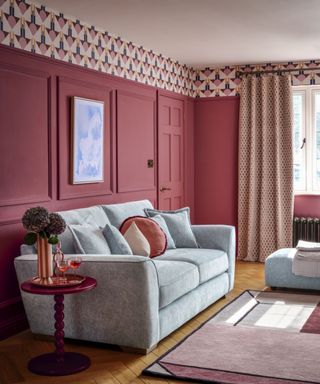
<point x="203" y="33"/>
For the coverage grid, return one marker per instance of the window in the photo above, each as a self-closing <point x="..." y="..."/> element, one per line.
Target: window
<point x="306" y="139"/>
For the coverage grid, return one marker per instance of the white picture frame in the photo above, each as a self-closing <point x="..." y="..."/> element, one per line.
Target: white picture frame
<point x="87" y="141"/>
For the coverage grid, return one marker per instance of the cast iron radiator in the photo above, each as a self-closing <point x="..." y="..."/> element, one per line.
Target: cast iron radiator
<point x="305" y="228"/>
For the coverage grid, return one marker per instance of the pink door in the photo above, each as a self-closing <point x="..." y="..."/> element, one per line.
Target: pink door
<point x="170" y="186"/>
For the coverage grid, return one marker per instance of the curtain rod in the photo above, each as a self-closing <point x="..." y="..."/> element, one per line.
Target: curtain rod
<point x="276" y="71"/>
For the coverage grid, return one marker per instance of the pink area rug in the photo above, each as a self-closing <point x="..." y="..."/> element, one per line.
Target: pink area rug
<point x="258" y="338"/>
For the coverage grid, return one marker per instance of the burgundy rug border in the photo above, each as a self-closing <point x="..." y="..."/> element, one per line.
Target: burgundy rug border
<point x="308" y="326"/>
<point x="197" y="380"/>
<point x="157" y="361"/>
<point x="232" y="372"/>
<point x="179" y="378"/>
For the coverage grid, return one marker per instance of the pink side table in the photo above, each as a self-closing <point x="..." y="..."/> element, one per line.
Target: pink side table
<point x="59" y="363"/>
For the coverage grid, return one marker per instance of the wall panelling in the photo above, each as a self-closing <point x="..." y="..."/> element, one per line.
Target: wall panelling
<point x="35" y="95"/>
<point x="22" y="141"/>
<point x="136" y="141"/>
<point x="68" y="87"/>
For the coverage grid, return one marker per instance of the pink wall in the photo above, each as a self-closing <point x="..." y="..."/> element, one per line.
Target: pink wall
<point x="216" y="160"/>
<point x="189" y="160"/>
<point x="216" y="164"/>
<point x="307" y="206"/>
<point x="35" y="97"/>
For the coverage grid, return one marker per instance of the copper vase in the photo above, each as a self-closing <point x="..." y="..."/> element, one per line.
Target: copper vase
<point x="45" y="261"/>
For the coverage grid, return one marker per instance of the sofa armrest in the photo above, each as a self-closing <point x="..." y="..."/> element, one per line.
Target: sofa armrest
<point x="123" y="309"/>
<point x="218" y="237"/>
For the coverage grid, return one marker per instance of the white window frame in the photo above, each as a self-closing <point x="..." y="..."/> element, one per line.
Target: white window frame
<point x="309" y="131"/>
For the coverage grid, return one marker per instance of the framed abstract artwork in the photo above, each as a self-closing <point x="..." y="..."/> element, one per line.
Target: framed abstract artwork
<point x="87" y="141"/>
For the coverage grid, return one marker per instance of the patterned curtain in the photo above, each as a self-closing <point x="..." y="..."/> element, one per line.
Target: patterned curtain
<point x="265" y="200"/>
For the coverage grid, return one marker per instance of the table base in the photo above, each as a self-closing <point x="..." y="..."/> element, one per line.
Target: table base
<point x="47" y="364"/>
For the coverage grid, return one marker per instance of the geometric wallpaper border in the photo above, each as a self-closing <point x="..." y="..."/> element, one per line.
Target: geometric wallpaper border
<point x="36" y="28"/>
<point x="223" y="81"/>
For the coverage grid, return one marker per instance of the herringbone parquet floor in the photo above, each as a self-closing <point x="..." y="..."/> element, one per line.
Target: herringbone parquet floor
<point x="111" y="366"/>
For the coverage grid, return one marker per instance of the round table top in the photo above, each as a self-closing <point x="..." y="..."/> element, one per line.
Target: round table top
<point x="88" y="284"/>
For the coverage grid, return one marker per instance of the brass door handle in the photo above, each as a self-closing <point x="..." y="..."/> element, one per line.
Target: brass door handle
<point x="162" y="189"/>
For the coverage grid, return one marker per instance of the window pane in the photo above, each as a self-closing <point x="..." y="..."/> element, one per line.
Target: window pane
<point x="298" y="136"/>
<point x="317" y="138"/>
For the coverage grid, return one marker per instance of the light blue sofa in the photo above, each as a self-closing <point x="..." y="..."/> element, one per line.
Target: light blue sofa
<point x="138" y="301"/>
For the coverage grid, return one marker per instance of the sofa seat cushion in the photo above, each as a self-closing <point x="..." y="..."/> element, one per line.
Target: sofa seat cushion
<point x="210" y="262"/>
<point x="176" y="278"/>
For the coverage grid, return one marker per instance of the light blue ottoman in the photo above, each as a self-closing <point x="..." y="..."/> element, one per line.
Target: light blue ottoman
<point x="278" y="272"/>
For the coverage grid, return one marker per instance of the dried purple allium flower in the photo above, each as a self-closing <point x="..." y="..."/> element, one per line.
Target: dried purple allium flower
<point x="57" y="224"/>
<point x="35" y="219"/>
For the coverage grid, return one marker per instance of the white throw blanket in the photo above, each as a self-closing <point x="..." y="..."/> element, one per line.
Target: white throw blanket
<point x="306" y="261"/>
<point x="308" y="246"/>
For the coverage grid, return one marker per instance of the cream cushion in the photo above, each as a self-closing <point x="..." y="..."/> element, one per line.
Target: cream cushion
<point x="137" y="241"/>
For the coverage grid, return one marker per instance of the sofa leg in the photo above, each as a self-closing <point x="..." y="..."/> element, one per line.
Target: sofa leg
<point x="140" y="351"/>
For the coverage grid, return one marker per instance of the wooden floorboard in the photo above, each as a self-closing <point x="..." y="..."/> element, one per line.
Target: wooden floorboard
<point x="110" y="366"/>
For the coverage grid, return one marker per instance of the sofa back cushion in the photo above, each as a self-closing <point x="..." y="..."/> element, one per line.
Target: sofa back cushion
<point x="89" y="239"/>
<point x="117" y="213"/>
<point x="117" y="243"/>
<point x="91" y="216"/>
<point x="161" y="221"/>
<point x="179" y="226"/>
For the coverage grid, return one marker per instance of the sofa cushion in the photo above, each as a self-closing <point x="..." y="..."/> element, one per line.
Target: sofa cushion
<point x="210" y="262"/>
<point x="117" y="213"/>
<point x="137" y="240"/>
<point x="93" y="216"/>
<point x="151" y="231"/>
<point x="117" y="243"/>
<point x="176" y="278"/>
<point x="161" y="221"/>
<point x="178" y="222"/>
<point x="89" y="239"/>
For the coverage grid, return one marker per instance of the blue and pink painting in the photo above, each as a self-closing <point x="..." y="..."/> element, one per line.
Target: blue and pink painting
<point x="88" y="137"/>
